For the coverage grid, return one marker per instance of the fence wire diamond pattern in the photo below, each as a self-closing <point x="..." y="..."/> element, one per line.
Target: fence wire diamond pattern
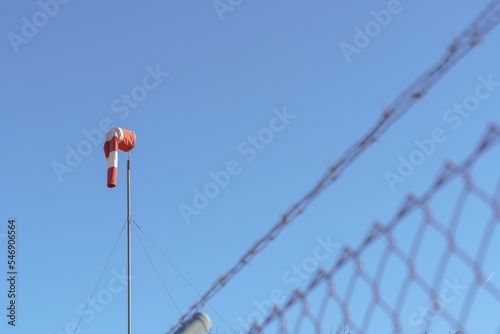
<point x="431" y="268"/>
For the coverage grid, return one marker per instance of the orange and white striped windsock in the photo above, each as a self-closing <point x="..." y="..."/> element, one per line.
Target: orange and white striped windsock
<point x="116" y="139"/>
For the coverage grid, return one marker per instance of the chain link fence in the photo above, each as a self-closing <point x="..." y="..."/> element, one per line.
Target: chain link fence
<point x="465" y="42"/>
<point x="429" y="269"/>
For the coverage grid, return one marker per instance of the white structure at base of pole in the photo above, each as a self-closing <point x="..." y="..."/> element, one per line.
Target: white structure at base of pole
<point x="200" y="323"/>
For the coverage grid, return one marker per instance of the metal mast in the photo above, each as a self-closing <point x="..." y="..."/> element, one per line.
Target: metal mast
<point x="129" y="255"/>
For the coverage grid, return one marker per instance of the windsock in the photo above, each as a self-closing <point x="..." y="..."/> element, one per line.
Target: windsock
<point x="116" y="138"/>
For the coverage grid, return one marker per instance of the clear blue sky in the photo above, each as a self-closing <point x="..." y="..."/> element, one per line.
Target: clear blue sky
<point x="195" y="85"/>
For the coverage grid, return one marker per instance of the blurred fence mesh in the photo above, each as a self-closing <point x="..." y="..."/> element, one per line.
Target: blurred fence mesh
<point x="465" y="42"/>
<point x="429" y="269"/>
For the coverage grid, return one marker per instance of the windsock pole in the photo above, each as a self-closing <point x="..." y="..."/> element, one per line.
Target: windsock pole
<point x="129" y="257"/>
<point x="118" y="139"/>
